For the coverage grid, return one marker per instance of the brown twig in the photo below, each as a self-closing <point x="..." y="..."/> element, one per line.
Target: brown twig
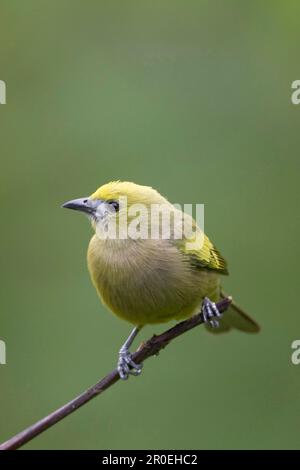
<point x="148" y="349"/>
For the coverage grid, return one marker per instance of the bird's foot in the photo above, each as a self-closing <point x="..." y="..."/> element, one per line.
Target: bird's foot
<point x="126" y="365"/>
<point x="210" y="313"/>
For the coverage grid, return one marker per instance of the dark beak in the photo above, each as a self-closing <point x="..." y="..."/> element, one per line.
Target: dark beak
<point x="83" y="204"/>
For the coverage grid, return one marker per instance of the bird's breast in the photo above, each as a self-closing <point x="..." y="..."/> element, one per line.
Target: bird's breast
<point x="144" y="281"/>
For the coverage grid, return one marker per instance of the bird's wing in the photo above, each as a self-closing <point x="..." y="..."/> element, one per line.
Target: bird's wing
<point x="202" y="253"/>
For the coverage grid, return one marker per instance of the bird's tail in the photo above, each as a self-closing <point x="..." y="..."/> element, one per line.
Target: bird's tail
<point x="235" y="318"/>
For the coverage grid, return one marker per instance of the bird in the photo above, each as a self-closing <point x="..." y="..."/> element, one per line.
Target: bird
<point x="147" y="271"/>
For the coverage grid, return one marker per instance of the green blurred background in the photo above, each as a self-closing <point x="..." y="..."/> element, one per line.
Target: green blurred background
<point x="194" y="99"/>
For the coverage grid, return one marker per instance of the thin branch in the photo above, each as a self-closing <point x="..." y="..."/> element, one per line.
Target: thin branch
<point x="150" y="348"/>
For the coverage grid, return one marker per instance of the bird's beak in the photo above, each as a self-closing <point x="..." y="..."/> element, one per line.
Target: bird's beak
<point x="83" y="204"/>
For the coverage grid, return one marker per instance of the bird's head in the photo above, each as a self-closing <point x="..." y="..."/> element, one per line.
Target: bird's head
<point x="115" y="202"/>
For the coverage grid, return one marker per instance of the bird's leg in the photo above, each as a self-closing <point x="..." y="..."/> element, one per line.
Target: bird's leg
<point x="126" y="365"/>
<point x="210" y="312"/>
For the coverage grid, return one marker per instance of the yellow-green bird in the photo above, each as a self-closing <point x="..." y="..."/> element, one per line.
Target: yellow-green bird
<point x="146" y="272"/>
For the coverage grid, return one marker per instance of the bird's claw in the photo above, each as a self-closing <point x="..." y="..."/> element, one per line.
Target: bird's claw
<point x="127" y="366"/>
<point x="210" y="312"/>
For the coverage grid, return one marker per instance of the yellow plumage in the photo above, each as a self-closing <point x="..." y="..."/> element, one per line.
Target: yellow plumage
<point x="152" y="279"/>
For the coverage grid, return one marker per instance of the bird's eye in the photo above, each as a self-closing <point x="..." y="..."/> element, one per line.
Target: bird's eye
<point x="115" y="205"/>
